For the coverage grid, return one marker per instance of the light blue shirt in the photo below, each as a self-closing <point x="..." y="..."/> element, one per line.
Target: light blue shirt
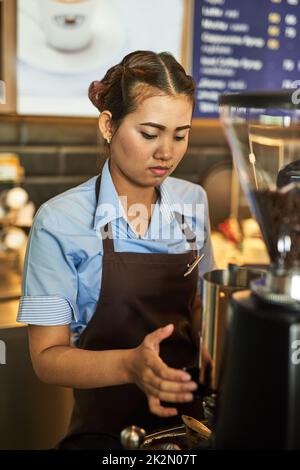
<point x="63" y="264"/>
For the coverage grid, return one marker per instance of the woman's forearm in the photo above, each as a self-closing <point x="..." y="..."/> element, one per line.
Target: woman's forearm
<point x="78" y="368"/>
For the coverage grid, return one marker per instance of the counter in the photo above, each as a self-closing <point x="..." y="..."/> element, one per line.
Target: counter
<point x="33" y="415"/>
<point x="8" y="314"/>
<point x="10" y="291"/>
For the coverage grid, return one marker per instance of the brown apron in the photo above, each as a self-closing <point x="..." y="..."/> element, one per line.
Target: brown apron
<point x="140" y="292"/>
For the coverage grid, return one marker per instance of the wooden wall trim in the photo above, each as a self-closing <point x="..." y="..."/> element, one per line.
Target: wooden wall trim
<point x="8" y="54"/>
<point x="64" y="120"/>
<point x="187" y="35"/>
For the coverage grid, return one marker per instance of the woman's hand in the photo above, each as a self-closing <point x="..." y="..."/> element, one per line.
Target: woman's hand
<point x="156" y="379"/>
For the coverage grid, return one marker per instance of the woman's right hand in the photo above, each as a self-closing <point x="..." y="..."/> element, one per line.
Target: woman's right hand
<point x="157" y="380"/>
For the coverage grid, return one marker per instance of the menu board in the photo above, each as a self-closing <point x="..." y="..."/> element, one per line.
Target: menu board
<point x="243" y="46"/>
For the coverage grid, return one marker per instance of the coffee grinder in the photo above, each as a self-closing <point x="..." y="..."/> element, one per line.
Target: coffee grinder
<point x="259" y="397"/>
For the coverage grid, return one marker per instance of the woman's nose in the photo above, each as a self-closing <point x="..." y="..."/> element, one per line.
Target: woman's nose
<point x="165" y="151"/>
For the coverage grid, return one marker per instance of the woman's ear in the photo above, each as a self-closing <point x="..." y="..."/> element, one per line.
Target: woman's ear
<point x="105" y="124"/>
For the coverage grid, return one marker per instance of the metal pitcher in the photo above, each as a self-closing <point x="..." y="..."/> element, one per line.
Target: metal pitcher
<point x="218" y="287"/>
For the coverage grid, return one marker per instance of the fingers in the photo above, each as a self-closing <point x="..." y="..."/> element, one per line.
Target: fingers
<point x="178" y="390"/>
<point x="171" y="397"/>
<point x="164" y="372"/>
<point x="170" y="391"/>
<point x="156" y="408"/>
<point x="165" y="386"/>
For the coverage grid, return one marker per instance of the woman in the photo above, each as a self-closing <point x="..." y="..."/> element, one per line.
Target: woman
<point x="129" y="230"/>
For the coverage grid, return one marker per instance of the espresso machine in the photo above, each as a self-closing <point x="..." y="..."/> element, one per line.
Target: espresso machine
<point x="258" y="402"/>
<point x="250" y="337"/>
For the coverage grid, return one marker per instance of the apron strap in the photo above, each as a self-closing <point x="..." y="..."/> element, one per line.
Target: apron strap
<point x="106" y="231"/>
<point x="97" y="187"/>
<point x="187" y="232"/>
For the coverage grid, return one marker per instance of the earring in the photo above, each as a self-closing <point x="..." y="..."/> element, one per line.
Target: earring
<point x="108" y="139"/>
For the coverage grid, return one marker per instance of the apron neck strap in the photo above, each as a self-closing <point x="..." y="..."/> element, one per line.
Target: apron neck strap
<point x="187" y="232"/>
<point x="106" y="231"/>
<point x="97" y="188"/>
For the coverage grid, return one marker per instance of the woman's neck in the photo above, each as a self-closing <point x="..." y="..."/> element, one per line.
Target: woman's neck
<point x="134" y="194"/>
<point x="138" y="202"/>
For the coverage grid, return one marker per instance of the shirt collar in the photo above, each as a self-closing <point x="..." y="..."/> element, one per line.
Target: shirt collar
<point x="110" y="208"/>
<point x="170" y="202"/>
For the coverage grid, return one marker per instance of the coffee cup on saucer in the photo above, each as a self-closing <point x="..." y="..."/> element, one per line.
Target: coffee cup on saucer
<point x="67" y="23"/>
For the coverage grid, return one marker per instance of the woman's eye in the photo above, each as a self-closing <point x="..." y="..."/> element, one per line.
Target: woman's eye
<point x="148" y="136"/>
<point x="153" y="136"/>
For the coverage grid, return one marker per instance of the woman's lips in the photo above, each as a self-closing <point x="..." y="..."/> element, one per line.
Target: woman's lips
<point x="159" y="171"/>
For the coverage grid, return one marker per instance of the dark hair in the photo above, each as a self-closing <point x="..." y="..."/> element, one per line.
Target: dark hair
<point x="139" y="75"/>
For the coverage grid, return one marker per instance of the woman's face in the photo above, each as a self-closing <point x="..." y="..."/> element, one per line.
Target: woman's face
<point x="152" y="140"/>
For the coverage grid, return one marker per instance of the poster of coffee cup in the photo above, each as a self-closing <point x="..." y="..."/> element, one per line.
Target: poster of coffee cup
<point x="67" y="24"/>
<point x="63" y="45"/>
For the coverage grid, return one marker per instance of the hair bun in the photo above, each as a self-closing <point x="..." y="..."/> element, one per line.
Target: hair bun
<point x="95" y="93"/>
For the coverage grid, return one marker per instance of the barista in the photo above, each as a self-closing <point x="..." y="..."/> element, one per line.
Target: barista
<point x="109" y="262"/>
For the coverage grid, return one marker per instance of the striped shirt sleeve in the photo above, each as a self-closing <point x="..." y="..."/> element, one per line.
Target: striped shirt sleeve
<point x="45" y="310"/>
